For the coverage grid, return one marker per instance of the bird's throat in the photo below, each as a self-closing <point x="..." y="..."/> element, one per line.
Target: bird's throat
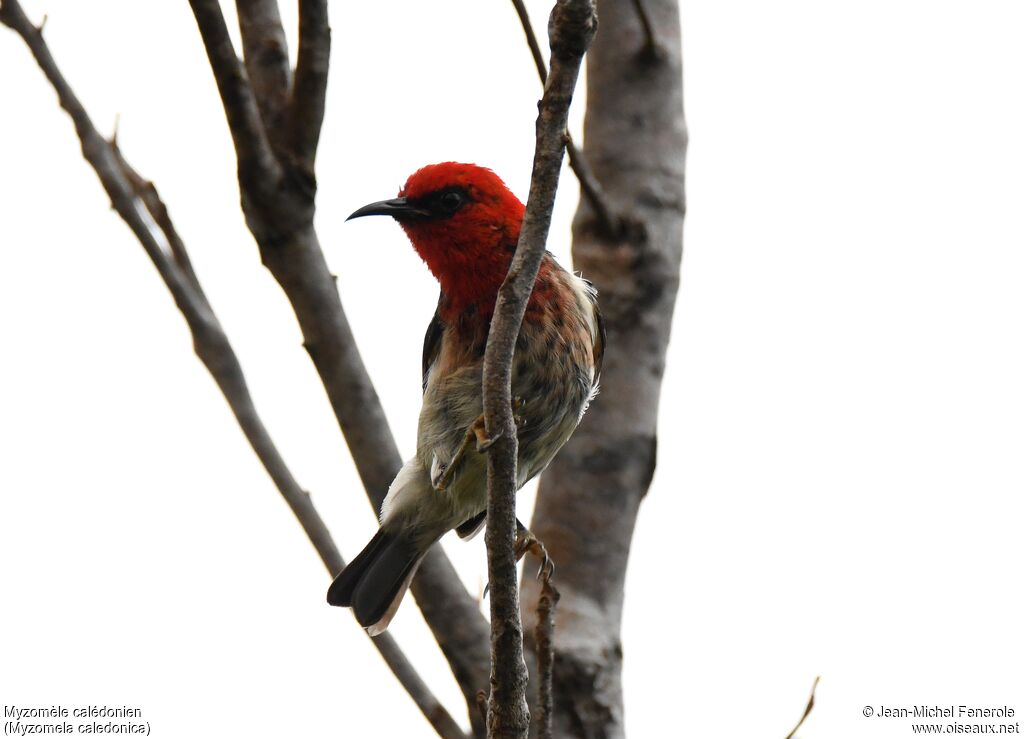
<point x="469" y="296"/>
<point x="470" y="271"/>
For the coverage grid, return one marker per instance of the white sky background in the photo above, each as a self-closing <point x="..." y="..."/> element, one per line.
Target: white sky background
<point x="840" y="478"/>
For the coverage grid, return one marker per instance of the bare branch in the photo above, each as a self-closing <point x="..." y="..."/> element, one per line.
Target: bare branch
<point x="252" y="146"/>
<point x="146" y="190"/>
<point x="544" y="638"/>
<point x="290" y="249"/>
<point x="572" y="27"/>
<point x="100" y="154"/>
<point x="807" y="711"/>
<point x="306" y="110"/>
<point x="531" y="41"/>
<point x="133" y="198"/>
<point x="592" y="192"/>
<point x="588" y="183"/>
<point x="281" y="220"/>
<point x="266" y="60"/>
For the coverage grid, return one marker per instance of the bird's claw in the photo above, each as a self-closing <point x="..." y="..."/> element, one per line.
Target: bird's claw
<point x="547" y="568"/>
<point x="527" y="542"/>
<point x="518" y="404"/>
<point x="483" y="441"/>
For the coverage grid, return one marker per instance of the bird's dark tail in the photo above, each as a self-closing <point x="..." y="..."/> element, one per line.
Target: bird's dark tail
<point x="375" y="581"/>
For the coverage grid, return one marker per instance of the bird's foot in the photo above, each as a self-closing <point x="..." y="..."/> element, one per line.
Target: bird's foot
<point x="527" y="542"/>
<point x="477" y="432"/>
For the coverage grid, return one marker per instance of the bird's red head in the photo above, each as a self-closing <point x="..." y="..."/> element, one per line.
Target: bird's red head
<point x="464" y="222"/>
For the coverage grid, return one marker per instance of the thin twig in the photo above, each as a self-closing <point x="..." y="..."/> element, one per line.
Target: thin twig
<point x="265" y="50"/>
<point x="132" y="196"/>
<point x="807" y="711"/>
<point x="531" y="41"/>
<point x="589" y="185"/>
<point x="592" y="191"/>
<point x="652" y="49"/>
<point x="544" y="639"/>
<point x="572" y="27"/>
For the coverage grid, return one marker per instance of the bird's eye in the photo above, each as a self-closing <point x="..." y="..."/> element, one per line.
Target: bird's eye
<point x="451" y="201"/>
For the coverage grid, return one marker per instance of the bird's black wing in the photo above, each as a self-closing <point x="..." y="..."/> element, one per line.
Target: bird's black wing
<point x="431" y="345"/>
<point x="599" y="342"/>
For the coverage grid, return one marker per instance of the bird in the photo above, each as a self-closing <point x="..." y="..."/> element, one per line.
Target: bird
<point x="464" y="223"/>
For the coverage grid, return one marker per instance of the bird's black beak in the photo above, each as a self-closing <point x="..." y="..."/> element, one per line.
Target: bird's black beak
<point x="398" y="208"/>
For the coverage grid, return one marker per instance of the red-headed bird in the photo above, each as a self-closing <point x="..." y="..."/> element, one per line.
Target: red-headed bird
<point x="464" y="223"/>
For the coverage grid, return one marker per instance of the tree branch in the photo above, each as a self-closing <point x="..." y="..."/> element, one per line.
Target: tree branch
<point x="807" y="711"/>
<point x="306" y="110"/>
<point x="531" y="40"/>
<point x="146" y="190"/>
<point x="543" y="638"/>
<point x="280" y="215"/>
<point x="252" y="146"/>
<point x="139" y="205"/>
<point x="265" y="49"/>
<point x="589" y="185"/>
<point x="572" y="27"/>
